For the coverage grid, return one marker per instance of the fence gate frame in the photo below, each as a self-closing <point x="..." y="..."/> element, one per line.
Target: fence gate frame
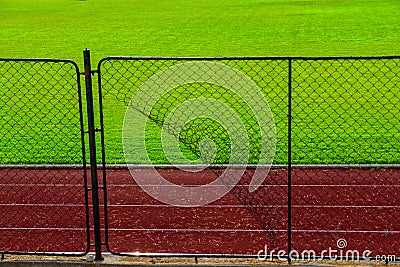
<point x="83" y="166"/>
<point x="290" y="124"/>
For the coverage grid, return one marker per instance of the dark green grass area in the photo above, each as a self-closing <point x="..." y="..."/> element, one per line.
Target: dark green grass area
<point x="343" y="112"/>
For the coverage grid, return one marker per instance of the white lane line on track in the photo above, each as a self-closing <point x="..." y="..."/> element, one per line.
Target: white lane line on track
<point x="42" y="185"/>
<point x="255" y="230"/>
<point x="41" y="205"/>
<point x="201" y="230"/>
<point x="261" y="206"/>
<point x="293" y="185"/>
<point x="196" y="166"/>
<point x="201" y="207"/>
<point x="42" y="229"/>
<point x="240" y="166"/>
<point x="191" y="185"/>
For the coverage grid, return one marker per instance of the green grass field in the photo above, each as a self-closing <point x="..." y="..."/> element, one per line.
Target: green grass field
<point x="62" y="29"/>
<point x="51" y="28"/>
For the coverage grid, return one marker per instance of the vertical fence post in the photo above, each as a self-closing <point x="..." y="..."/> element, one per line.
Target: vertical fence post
<point x="289" y="156"/>
<point x="93" y="160"/>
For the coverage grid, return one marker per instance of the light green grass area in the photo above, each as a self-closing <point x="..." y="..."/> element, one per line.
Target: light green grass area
<point x="349" y="118"/>
<point x="52" y="28"/>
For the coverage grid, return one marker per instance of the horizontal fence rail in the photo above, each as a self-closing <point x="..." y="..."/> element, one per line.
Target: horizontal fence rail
<point x="264" y="157"/>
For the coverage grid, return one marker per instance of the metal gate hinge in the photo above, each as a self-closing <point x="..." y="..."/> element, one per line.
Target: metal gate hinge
<point x="96" y="130"/>
<point x="83" y="73"/>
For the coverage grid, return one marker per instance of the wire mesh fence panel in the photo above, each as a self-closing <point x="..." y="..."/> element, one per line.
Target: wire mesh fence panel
<point x="219" y="128"/>
<point x="346" y="121"/>
<point x="42" y="177"/>
<point x="219" y="156"/>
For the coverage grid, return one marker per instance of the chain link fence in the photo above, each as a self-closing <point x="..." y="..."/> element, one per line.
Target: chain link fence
<point x="308" y="149"/>
<point x="191" y="101"/>
<point x="346" y="119"/>
<point x="43" y="201"/>
<point x="336" y="139"/>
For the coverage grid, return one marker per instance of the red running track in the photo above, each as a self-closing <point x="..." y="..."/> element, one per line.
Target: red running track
<point x="44" y="211"/>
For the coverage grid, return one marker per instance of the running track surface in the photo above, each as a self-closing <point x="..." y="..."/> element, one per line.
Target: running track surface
<point x="43" y="210"/>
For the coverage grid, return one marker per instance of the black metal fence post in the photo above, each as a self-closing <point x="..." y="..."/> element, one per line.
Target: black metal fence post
<point x="93" y="160"/>
<point x="289" y="159"/>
